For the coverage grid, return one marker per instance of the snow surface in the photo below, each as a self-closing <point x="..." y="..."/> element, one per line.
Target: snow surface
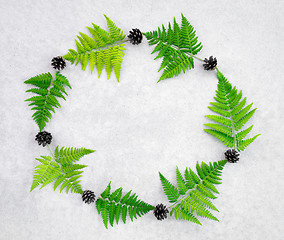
<point x="137" y="126"/>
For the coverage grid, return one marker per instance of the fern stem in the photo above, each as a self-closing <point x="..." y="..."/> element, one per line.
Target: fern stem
<point x="106" y="46"/>
<point x="52" y="80"/>
<point x="178" y="49"/>
<point x="185" y="195"/>
<point x="231" y="119"/>
<point x="202" y="60"/>
<point x="180" y="199"/>
<point x="43" y="174"/>
<point x="234" y="132"/>
<point x="50" y="151"/>
<point x="190" y="54"/>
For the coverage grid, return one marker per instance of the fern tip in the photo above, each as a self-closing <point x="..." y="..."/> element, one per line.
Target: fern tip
<point x="106" y="17"/>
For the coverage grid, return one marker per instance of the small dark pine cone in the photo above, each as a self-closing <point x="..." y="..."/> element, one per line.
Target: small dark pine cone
<point x="135" y="36"/>
<point x="88" y="196"/>
<point x="58" y="63"/>
<point x="232" y="155"/>
<point x="210" y="64"/>
<point x="43" y="138"/>
<point x="161" y="212"/>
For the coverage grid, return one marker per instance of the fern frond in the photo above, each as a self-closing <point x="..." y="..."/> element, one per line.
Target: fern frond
<point x="181" y="182"/>
<point x="101" y="49"/>
<point x="115" y="33"/>
<point x="66" y="156"/>
<point x="181" y="214"/>
<point x="71" y="168"/>
<point x="176" y="45"/>
<point x="106" y="192"/>
<point x="112" y="206"/>
<point x="61" y="172"/>
<point x="234" y="115"/>
<point x="48" y="89"/>
<point x="190" y="183"/>
<point x="169" y="189"/>
<point x="194" y="191"/>
<point x="244" y="143"/>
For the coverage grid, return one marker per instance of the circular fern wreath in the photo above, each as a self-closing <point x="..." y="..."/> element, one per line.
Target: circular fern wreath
<point x="177" y="46"/>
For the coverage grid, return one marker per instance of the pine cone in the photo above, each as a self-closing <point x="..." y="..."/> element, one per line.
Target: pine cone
<point x="210" y="64"/>
<point x="58" y="63"/>
<point x="135" y="36"/>
<point x="161" y="212"/>
<point x="88" y="196"/>
<point x="43" y="138"/>
<point x="232" y="155"/>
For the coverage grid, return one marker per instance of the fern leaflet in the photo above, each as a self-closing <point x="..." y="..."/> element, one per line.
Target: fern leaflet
<point x="60" y="168"/>
<point x="192" y="197"/>
<point x="113" y="206"/>
<point x="170" y="190"/>
<point x="47" y="90"/>
<point x="101" y="49"/>
<point x="176" y="45"/>
<point x="233" y="115"/>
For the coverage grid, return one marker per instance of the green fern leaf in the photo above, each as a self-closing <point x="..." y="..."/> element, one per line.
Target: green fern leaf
<point x="207" y="183"/>
<point x="111" y="213"/>
<point x="190" y="206"/>
<point x="48" y="89"/>
<point x="195" y="191"/>
<point x="199" y="171"/>
<point x="181" y="214"/>
<point x="67" y="156"/>
<point x="63" y="173"/>
<point x="194" y="176"/>
<point x="244" y="143"/>
<point x="202" y="212"/>
<point x="99" y="204"/>
<point x="205" y="191"/>
<point x="112" y="206"/>
<point x="181" y="182"/>
<point x="170" y="191"/>
<point x="124" y="213"/>
<point x="106" y="192"/>
<point x="189" y="179"/>
<point x="118" y="212"/>
<point x="126" y="196"/>
<point x="101" y="49"/>
<point x="105" y="213"/>
<point x="190" y="43"/>
<point x="234" y="115"/>
<point x="116" y="195"/>
<point x="176" y="45"/>
<point x="115" y="33"/>
<point x="221" y="120"/>
<point x="202" y="199"/>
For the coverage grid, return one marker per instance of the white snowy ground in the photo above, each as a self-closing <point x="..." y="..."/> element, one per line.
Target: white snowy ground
<point x="137" y="126"/>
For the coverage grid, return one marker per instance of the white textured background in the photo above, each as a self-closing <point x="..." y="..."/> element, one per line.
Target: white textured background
<point x="139" y="127"/>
